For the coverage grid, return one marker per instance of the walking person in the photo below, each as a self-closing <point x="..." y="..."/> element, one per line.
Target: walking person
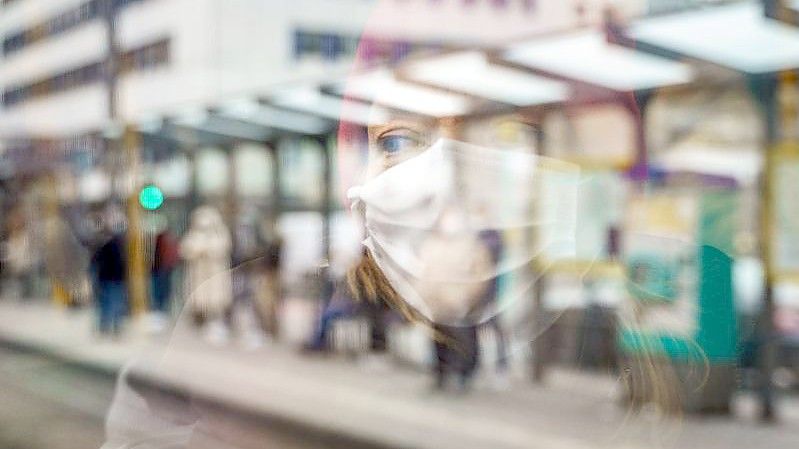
<point x="337" y="305"/>
<point x="110" y="269"/>
<point x="206" y="248"/>
<point x="166" y="257"/>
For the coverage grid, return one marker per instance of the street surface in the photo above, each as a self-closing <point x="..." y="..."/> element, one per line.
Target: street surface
<point x="275" y="397"/>
<point x="45" y="404"/>
<point x="48" y="404"/>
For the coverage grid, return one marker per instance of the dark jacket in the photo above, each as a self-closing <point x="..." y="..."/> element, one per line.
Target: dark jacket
<point x="109" y="260"/>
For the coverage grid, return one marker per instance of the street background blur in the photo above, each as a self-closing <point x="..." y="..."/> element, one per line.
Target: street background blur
<point x="173" y="178"/>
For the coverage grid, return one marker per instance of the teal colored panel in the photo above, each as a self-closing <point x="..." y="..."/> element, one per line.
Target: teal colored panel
<point x="717" y="333"/>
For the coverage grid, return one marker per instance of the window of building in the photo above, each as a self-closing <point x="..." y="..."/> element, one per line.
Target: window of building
<point x="335" y="46"/>
<point x="144" y="58"/>
<point x="140" y="59"/>
<point x="58" y="24"/>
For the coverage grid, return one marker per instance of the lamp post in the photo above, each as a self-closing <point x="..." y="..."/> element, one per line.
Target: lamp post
<point x="123" y="147"/>
<point x="137" y="269"/>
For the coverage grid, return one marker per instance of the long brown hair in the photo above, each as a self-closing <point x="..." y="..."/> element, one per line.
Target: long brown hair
<point x="367" y="282"/>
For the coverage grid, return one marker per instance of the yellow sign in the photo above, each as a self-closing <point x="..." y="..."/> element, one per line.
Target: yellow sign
<point x="785" y="234"/>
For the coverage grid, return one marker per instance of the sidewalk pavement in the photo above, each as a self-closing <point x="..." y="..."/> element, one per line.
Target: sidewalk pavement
<point x="390" y="406"/>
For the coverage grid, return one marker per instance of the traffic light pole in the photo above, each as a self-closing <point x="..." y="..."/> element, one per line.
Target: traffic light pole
<point x="137" y="267"/>
<point x="125" y="160"/>
<point x="112" y="60"/>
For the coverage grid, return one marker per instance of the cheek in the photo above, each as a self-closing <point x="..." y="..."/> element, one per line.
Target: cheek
<point x="376" y="163"/>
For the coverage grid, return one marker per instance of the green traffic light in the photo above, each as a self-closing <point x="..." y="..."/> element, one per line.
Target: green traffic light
<point x="151" y="197"/>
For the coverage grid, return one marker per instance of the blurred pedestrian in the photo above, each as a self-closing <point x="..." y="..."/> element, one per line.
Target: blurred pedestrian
<point x="456" y="354"/>
<point x="268" y="295"/>
<point x="21" y="260"/>
<point x="337" y="305"/>
<point x="166" y="256"/>
<point x="110" y="269"/>
<point x="493" y="241"/>
<point x="206" y="248"/>
<point x="66" y="261"/>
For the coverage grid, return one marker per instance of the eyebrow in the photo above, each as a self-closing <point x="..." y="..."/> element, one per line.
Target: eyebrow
<point x="415" y="125"/>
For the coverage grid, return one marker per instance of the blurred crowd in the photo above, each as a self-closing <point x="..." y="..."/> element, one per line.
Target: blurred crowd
<point x="85" y="264"/>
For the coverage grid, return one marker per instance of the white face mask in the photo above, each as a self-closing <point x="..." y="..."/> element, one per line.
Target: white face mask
<point x="438" y="225"/>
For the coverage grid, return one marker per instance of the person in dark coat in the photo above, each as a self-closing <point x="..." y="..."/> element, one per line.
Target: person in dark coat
<point x="167" y="256"/>
<point x="110" y="269"/>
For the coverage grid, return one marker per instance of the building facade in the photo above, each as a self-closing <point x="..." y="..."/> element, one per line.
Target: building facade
<point x="177" y="52"/>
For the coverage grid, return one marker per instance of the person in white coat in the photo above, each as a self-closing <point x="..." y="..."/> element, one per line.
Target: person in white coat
<point x="206" y="248"/>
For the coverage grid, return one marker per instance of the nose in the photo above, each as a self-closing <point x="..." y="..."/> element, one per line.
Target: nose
<point x="453" y="221"/>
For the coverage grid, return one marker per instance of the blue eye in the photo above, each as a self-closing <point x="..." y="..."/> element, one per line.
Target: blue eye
<point x="398" y="143"/>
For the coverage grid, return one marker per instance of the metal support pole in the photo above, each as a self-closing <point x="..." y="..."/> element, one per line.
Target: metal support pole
<point x="50" y="201"/>
<point x="137" y="269"/>
<point x="327" y="199"/>
<point x="126" y="163"/>
<point x="780" y="118"/>
<point x="637" y="107"/>
<point x="277" y="187"/>
<point x="112" y="60"/>
<point x="765" y="90"/>
<point x="114" y="154"/>
<point x="275" y="245"/>
<point x="231" y="209"/>
<point x="194" y="193"/>
<point x="540" y="346"/>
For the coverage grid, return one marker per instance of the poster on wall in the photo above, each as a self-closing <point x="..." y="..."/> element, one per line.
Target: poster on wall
<point x="786" y="220"/>
<point x="659" y="252"/>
